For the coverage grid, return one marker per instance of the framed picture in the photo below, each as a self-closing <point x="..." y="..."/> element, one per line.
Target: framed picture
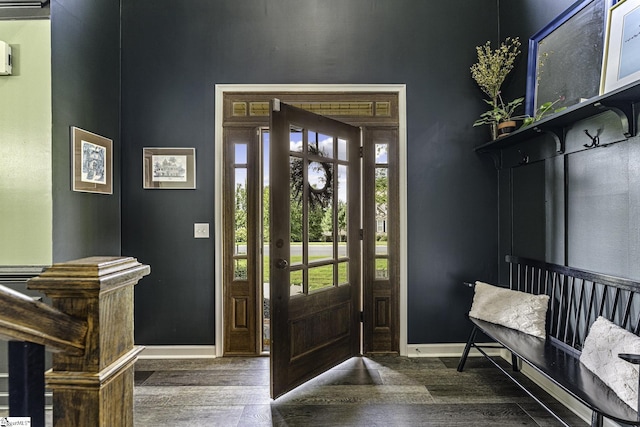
<point x="621" y="63"/>
<point x="565" y="57"/>
<point x="92" y="162"/>
<point x="169" y="168"/>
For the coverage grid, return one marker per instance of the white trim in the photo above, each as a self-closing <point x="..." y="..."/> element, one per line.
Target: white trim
<point x="178" y="352"/>
<point x="402" y="135"/>
<point x="400" y="89"/>
<point x="447" y="350"/>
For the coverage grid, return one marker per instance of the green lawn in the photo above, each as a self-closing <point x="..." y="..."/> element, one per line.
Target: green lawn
<point x="319" y="277"/>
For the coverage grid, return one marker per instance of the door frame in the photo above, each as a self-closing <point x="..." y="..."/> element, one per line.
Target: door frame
<point x="220" y="90"/>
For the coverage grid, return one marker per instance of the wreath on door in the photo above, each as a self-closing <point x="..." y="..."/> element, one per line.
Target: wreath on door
<point x="321" y="191"/>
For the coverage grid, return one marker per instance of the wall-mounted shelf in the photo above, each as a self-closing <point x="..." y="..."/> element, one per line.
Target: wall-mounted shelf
<point x="621" y="101"/>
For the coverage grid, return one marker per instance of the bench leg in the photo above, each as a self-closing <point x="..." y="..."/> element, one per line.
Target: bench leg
<point x="596" y="419"/>
<point x="467" y="348"/>
<point x="515" y="363"/>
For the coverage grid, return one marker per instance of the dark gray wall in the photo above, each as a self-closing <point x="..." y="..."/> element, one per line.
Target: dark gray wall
<point x="175" y="52"/>
<point x="85" y="72"/>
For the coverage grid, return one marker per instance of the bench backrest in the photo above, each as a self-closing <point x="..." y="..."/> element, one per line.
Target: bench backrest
<point x="577" y="298"/>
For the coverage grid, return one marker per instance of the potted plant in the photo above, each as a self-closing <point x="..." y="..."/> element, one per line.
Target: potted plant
<point x="489" y="72"/>
<point x="501" y="115"/>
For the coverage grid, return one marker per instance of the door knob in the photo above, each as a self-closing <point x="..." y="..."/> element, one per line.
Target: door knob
<point x="282" y="264"/>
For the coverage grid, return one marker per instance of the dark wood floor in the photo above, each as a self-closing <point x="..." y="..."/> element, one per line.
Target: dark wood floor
<point x="380" y="391"/>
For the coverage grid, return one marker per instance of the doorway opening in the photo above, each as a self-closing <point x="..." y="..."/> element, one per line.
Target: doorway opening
<point x="242" y="264"/>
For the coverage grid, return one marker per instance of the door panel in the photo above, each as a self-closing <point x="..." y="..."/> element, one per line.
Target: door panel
<point x="314" y="275"/>
<point x="240" y="243"/>
<point x="381" y="241"/>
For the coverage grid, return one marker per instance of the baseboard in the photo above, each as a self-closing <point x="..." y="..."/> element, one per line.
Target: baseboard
<point x="445" y="350"/>
<point x="178" y="352"/>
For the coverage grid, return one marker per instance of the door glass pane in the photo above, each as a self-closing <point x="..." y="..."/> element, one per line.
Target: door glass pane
<point x="320" y="245"/>
<point x="343" y="273"/>
<point x="381" y="154"/>
<point x="320" y="177"/>
<point x="325" y="145"/>
<point x="295" y="210"/>
<point x="295" y="282"/>
<point x="342" y="149"/>
<point x="342" y="211"/>
<point x="382" y="268"/>
<point x="319" y="209"/>
<point x="240" y="154"/>
<point x="266" y="298"/>
<point x="320" y="277"/>
<point x="240" y="269"/>
<point x="381" y="197"/>
<point x="240" y="212"/>
<point x="295" y="141"/>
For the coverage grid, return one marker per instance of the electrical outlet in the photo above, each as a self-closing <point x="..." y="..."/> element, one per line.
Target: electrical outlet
<point x="201" y="230"/>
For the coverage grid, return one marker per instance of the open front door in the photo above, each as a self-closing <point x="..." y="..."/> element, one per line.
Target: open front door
<point x="314" y="273"/>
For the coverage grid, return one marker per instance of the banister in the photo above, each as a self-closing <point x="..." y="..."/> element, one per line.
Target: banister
<point x="25" y="319"/>
<point x="90" y="323"/>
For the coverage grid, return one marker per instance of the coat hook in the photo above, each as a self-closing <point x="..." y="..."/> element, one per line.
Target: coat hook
<point x="595" y="140"/>
<point x="524" y="158"/>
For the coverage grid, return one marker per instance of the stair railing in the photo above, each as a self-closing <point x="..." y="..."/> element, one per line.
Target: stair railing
<point x="89" y="329"/>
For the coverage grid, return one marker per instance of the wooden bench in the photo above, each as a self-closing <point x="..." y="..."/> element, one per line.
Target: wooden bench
<point x="577" y="298"/>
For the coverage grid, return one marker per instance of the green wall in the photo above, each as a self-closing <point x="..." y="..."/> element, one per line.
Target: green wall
<point x="25" y="146"/>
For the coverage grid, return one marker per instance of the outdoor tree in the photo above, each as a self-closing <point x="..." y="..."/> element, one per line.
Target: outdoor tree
<point x="241" y="209"/>
<point x="381" y="195"/>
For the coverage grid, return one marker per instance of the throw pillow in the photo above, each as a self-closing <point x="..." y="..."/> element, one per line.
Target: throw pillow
<point x="514" y="309"/>
<point x="604" y="342"/>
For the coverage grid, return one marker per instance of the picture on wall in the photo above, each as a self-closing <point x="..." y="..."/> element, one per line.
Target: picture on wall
<point x="92" y="162"/>
<point x="565" y="57"/>
<point x="621" y="63"/>
<point x="169" y="168"/>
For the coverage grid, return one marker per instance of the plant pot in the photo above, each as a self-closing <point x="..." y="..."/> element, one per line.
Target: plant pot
<point x="505" y="128"/>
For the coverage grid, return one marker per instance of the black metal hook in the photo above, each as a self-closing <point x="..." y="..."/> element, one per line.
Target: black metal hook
<point x="595" y="140"/>
<point x="524" y="158"/>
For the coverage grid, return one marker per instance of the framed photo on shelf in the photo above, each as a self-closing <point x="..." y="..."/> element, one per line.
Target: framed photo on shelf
<point x="565" y="57"/>
<point x="169" y="168"/>
<point x="621" y="63"/>
<point x="91" y="162"/>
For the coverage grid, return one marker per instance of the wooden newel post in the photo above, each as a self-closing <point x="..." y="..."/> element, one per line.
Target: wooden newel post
<point x="94" y="389"/>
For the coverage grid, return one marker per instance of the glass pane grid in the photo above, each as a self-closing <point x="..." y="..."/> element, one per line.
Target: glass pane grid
<point x="318" y="184"/>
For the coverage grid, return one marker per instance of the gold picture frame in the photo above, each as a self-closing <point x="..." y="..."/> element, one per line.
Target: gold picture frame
<point x="91" y="162"/>
<point x="169" y="168"/>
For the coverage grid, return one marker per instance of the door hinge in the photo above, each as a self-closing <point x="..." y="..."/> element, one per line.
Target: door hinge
<point x="362" y="317"/>
<point x="361" y="152"/>
<point x="361" y="234"/>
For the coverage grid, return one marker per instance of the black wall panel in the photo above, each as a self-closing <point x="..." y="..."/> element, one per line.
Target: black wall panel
<point x="175" y="52"/>
<point x="85" y="52"/>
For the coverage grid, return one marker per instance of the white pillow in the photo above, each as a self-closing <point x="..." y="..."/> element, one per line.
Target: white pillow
<point x="604" y="342"/>
<point x="514" y="309"/>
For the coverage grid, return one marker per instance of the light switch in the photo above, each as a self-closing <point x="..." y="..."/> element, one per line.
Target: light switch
<point x="201" y="230"/>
